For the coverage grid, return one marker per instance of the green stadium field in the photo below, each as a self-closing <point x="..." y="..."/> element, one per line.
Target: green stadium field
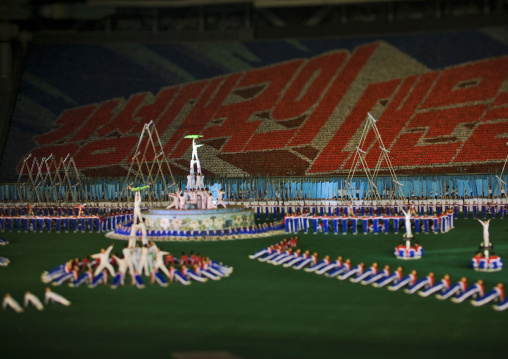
<point x="260" y="311"/>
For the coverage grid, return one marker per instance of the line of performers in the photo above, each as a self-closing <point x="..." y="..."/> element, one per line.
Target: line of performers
<point x="196" y="198"/>
<point x="285" y="254"/>
<point x="30" y="299"/>
<point x="369" y="224"/>
<point x="431" y="207"/>
<point x="178" y="234"/>
<point x="50" y="218"/>
<point x="62" y="210"/>
<point x="147" y="260"/>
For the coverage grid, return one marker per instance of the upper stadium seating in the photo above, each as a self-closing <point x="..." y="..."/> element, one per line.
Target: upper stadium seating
<point x="300" y="115"/>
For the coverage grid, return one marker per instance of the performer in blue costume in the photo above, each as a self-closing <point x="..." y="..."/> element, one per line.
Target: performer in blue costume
<point x="455" y="290"/>
<point x="426" y="282"/>
<point x="496" y="294"/>
<point x="385" y="273"/>
<point x="476" y="290"/>
<point x="442" y="286"/>
<point x="372" y="271"/>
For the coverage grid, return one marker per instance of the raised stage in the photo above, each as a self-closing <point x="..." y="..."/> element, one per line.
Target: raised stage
<point x="233" y="222"/>
<point x="198" y="219"/>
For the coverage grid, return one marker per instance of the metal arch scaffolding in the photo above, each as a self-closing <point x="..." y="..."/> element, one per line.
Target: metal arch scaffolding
<point x="72" y="184"/>
<point x="359" y="160"/>
<point x="500" y="181"/>
<point x="148" y="165"/>
<point x="25" y="186"/>
<point x="48" y="180"/>
<point x="45" y="178"/>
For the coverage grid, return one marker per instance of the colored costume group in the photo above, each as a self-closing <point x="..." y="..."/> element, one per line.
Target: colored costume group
<point x="284" y="253"/>
<point x="475" y="207"/>
<point x="369" y="224"/>
<point x="180" y="234"/>
<point x="196" y="198"/>
<point x="148" y="260"/>
<point x="77" y="218"/>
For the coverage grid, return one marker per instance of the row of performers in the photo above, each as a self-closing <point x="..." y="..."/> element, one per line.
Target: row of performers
<point x="146" y="261"/>
<point x="210" y="233"/>
<point x="91" y="223"/>
<point x="196" y="198"/>
<point x="281" y="254"/>
<point x="63" y="211"/>
<point x="354" y="209"/>
<point x="373" y="224"/>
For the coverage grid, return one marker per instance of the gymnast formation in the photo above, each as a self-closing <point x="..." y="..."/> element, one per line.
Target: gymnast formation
<point x="286" y="254"/>
<point x="196" y="198"/>
<point x="195" y="195"/>
<point x="148" y="261"/>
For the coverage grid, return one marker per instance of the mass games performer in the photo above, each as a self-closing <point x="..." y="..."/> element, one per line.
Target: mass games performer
<point x="485" y="259"/>
<point x="137" y="218"/>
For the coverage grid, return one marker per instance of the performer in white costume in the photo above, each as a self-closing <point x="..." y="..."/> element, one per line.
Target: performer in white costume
<point x="200" y="181"/>
<point x="195" y="153"/>
<point x="191" y="182"/>
<point x="204" y="199"/>
<point x="407" y="223"/>
<point x="209" y="203"/>
<point x="485" y="225"/>
<point x="11" y="302"/>
<point x="32" y="299"/>
<point x="129" y="260"/>
<point x="132" y="235"/>
<point x="183" y="199"/>
<point x="122" y="264"/>
<point x="192" y="167"/>
<point x="176" y="200"/>
<point x="103" y="258"/>
<point x="159" y="262"/>
<point x="143" y="261"/>
<point x="152" y="252"/>
<point x="220" y="197"/>
<point x="136" y="212"/>
<point x="136" y="216"/>
<point x="53" y="297"/>
<point x="193" y="197"/>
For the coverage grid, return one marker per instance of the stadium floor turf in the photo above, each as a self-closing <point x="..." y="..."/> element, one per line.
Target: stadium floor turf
<point x="260" y="311"/>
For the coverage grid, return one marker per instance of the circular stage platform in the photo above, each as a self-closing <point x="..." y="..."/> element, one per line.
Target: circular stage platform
<point x="233" y="222"/>
<point x="198" y="219"/>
